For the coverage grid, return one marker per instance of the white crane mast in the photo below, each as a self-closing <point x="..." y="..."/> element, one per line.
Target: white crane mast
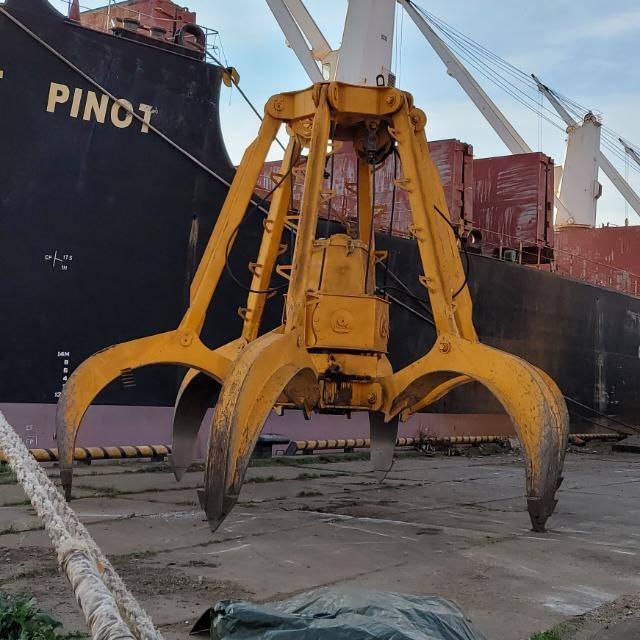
<point x="364" y="58"/>
<point x="604" y="163"/>
<point x="367" y="43"/>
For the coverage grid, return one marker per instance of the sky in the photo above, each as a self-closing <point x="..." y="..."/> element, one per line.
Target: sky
<point x="587" y="50"/>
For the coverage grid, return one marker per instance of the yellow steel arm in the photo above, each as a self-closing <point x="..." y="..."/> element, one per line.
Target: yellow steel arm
<point x="436" y="241"/>
<point x="222" y="237"/>
<point x="297" y="294"/>
<point x="270" y="247"/>
<point x="94" y="374"/>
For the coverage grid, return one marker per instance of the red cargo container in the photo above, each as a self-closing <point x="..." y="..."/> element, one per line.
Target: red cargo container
<point x="513" y="205"/>
<point x="454" y="160"/>
<point x="607" y="256"/>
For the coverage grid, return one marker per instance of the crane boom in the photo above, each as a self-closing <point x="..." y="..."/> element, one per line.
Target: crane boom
<point x="319" y="45"/>
<point x="295" y="37"/>
<point x="630" y="151"/>
<point x="459" y="72"/>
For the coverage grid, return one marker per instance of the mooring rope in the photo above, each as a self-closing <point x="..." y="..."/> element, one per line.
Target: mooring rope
<point x="105" y="600"/>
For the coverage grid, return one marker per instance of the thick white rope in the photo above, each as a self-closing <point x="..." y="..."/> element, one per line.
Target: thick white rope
<point x="138" y="620"/>
<point x="102" y="601"/>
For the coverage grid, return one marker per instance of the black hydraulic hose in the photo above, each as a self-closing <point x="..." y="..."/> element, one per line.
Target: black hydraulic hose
<point x="384" y="289"/>
<point x="405" y="288"/>
<point x="232" y="237"/>
<point x="464" y="248"/>
<point x="411" y="310"/>
<point x="333" y="163"/>
<point x="393" y="203"/>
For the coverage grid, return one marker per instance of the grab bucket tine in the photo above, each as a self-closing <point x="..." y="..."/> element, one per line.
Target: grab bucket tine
<point x="95" y="373"/>
<point x="256" y="381"/>
<point x="198" y="392"/>
<point x="528" y="395"/>
<point x="383" y="436"/>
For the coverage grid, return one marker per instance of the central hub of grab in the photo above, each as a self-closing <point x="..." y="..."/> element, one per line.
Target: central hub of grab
<point x="343" y="312"/>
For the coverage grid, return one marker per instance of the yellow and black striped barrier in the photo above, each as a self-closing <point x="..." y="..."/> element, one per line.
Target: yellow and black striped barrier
<point x="349" y="444"/>
<point x="159" y="452"/>
<point x="87" y="454"/>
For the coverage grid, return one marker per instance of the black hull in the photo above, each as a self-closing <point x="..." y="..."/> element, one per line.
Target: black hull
<point x="101" y="227"/>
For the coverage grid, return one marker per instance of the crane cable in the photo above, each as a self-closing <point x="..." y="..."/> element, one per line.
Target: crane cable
<point x="236" y="84"/>
<point x="496" y="70"/>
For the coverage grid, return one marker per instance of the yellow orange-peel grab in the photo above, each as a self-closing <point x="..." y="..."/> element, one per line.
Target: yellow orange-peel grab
<point x="330" y="352"/>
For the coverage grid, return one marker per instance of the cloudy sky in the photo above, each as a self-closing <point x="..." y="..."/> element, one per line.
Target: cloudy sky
<point x="587" y="50"/>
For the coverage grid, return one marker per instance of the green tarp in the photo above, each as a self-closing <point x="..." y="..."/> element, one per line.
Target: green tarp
<point x="343" y="614"/>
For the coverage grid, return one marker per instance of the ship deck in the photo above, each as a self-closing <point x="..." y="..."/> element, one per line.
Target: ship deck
<point x="449" y="526"/>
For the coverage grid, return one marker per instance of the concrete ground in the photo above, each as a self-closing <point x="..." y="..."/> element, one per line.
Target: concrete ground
<point x="455" y="527"/>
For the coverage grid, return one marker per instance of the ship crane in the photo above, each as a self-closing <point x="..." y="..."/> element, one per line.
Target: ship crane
<point x="583" y="149"/>
<point x="577" y="187"/>
<point x="330" y="353"/>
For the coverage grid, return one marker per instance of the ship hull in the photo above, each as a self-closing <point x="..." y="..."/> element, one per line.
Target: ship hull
<point x="102" y="224"/>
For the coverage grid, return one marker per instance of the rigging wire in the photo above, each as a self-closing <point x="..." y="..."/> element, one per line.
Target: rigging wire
<point x="465" y="50"/>
<point x="411" y="310"/>
<point x="515" y="92"/>
<point x="540" y="105"/>
<point x="602" y="415"/>
<point x="609" y="138"/>
<point x="241" y="92"/>
<point x="514" y="72"/>
<point x="423" y="303"/>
